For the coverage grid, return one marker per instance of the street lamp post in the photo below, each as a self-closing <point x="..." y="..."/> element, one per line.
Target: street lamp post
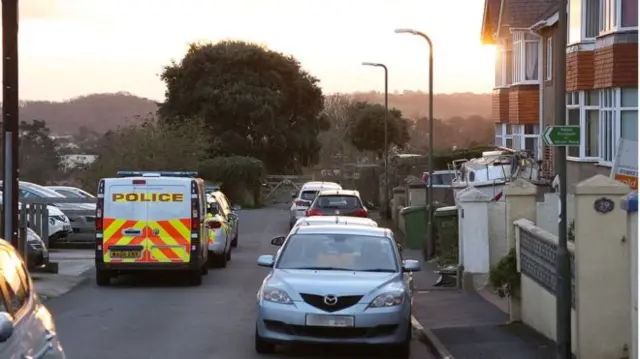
<point x="430" y="178"/>
<point x="385" y="198"/>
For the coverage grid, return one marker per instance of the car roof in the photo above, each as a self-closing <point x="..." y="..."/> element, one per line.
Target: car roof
<point x="344" y="229"/>
<point x="340" y="220"/>
<point x="316" y="185"/>
<point x="339" y="192"/>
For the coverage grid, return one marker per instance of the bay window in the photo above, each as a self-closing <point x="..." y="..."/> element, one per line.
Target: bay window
<point x="502" y="66"/>
<point x="604" y="117"/>
<point x="584" y="20"/>
<point x="618" y="15"/>
<point x="525" y="58"/>
<point x="518" y="137"/>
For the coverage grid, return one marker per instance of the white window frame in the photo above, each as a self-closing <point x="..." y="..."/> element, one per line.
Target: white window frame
<point x="520" y="41"/>
<point x="609" y="122"/>
<point x="519" y="136"/>
<point x="549" y="57"/>
<point x="610" y="18"/>
<point x="501" y="73"/>
<point x="500" y="130"/>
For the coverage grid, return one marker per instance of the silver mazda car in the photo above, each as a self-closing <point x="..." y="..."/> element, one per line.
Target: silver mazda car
<point x="337" y="284"/>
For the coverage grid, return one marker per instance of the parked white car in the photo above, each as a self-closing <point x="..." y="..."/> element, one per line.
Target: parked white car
<point x="302" y="200"/>
<point x="59" y="224"/>
<point x="27" y="328"/>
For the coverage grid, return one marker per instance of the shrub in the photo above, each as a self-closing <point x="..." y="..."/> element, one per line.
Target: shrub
<point x="240" y="177"/>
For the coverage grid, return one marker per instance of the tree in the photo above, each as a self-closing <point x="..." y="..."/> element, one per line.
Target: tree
<point x="39" y="157"/>
<point x="365" y="129"/>
<point x="255" y="102"/>
<point x="151" y="146"/>
<point x="334" y="147"/>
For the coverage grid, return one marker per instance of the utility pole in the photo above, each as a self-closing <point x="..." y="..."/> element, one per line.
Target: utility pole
<point x="10" y="107"/>
<point x="563" y="265"/>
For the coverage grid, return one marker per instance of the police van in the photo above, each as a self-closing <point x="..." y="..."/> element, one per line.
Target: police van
<point x="151" y="221"/>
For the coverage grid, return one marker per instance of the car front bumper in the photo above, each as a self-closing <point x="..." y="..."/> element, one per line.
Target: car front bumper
<point x="280" y="323"/>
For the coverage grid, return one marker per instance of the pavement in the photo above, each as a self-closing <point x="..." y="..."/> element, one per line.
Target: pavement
<point x="458" y="324"/>
<point x="73" y="268"/>
<point x="159" y="317"/>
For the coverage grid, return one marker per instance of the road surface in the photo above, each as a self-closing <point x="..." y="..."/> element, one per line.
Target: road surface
<point x="159" y="318"/>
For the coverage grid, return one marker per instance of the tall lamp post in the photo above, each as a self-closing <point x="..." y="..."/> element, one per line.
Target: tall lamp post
<point x="430" y="178"/>
<point x="385" y="198"/>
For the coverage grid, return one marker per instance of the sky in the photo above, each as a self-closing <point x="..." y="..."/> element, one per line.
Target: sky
<point x="70" y="48"/>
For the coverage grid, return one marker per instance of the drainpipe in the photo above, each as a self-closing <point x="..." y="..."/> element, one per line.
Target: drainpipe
<point x="534" y="30"/>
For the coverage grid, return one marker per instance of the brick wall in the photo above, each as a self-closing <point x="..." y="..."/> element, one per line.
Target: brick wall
<point x="524" y="101"/>
<point x="616" y="66"/>
<point x="580" y="70"/>
<point x="500" y="105"/>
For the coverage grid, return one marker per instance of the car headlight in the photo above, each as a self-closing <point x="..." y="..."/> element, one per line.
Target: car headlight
<point x="388" y="300"/>
<point x="276" y="296"/>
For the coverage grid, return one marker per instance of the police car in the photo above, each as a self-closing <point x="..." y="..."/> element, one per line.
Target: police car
<point x="151" y="221"/>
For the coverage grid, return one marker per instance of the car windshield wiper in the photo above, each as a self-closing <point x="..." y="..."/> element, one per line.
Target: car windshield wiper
<point x="323" y="268"/>
<point x="381" y="270"/>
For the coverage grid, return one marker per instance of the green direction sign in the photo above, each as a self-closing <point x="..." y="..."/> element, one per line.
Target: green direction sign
<point x="562" y="135"/>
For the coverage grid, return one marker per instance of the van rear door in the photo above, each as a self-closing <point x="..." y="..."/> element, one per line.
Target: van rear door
<point x="125" y="227"/>
<point x="168" y="201"/>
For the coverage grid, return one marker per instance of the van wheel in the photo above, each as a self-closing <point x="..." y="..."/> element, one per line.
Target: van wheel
<point x="229" y="255"/>
<point x="103" y="278"/>
<point x="218" y="260"/>
<point x="205" y="269"/>
<point x="195" y="277"/>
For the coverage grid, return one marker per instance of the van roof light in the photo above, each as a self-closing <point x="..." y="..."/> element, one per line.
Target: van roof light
<point x="190" y="174"/>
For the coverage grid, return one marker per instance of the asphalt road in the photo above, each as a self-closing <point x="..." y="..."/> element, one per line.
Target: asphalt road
<point x="155" y="317"/>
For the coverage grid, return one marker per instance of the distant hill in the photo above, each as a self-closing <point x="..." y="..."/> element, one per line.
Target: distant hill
<point x="445" y="106"/>
<point x="106" y="111"/>
<point x="98" y="112"/>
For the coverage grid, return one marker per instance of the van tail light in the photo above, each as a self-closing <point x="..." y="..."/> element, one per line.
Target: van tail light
<point x="195" y="214"/>
<point x="99" y="214"/>
<point x="302" y="203"/>
<point x="214" y="224"/>
<point x="361" y="213"/>
<point x="314" y="212"/>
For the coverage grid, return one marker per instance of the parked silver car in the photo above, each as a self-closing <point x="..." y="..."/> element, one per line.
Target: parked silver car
<point x="71" y="192"/>
<point x="338" y="284"/>
<point x="27" y="329"/>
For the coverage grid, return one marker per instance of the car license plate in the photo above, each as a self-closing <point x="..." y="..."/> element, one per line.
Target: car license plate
<point x="125" y="254"/>
<point x="340" y="321"/>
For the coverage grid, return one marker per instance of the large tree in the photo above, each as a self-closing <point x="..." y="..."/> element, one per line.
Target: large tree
<point x="255" y="102"/>
<point x="365" y="128"/>
<point x="39" y="157"/>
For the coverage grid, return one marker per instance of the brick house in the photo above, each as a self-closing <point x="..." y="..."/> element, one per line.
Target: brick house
<point x="601" y="80"/>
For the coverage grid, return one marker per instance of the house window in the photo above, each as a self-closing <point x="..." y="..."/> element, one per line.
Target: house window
<point x="604" y="117"/>
<point x="584" y="20"/>
<point x="618" y="15"/>
<point x="508" y="136"/>
<point x="525" y="137"/>
<point x="499" y="129"/>
<point x="525" y="58"/>
<point x="549" y="58"/>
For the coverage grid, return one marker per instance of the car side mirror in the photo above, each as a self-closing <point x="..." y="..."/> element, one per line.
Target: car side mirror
<point x="293" y="196"/>
<point x="410" y="265"/>
<point x="277" y="241"/>
<point x="265" y="260"/>
<point x="6" y="327"/>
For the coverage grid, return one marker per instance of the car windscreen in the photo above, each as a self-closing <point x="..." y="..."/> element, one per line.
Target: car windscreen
<point x="352" y="252"/>
<point x="338" y="202"/>
<point x="69" y="194"/>
<point x="41" y="191"/>
<point x="308" y="195"/>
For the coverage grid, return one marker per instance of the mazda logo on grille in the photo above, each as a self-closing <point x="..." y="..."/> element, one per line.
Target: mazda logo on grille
<point x="330" y="300"/>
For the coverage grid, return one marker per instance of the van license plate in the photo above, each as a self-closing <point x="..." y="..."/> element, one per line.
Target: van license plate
<point x="125" y="254"/>
<point x="340" y="321"/>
